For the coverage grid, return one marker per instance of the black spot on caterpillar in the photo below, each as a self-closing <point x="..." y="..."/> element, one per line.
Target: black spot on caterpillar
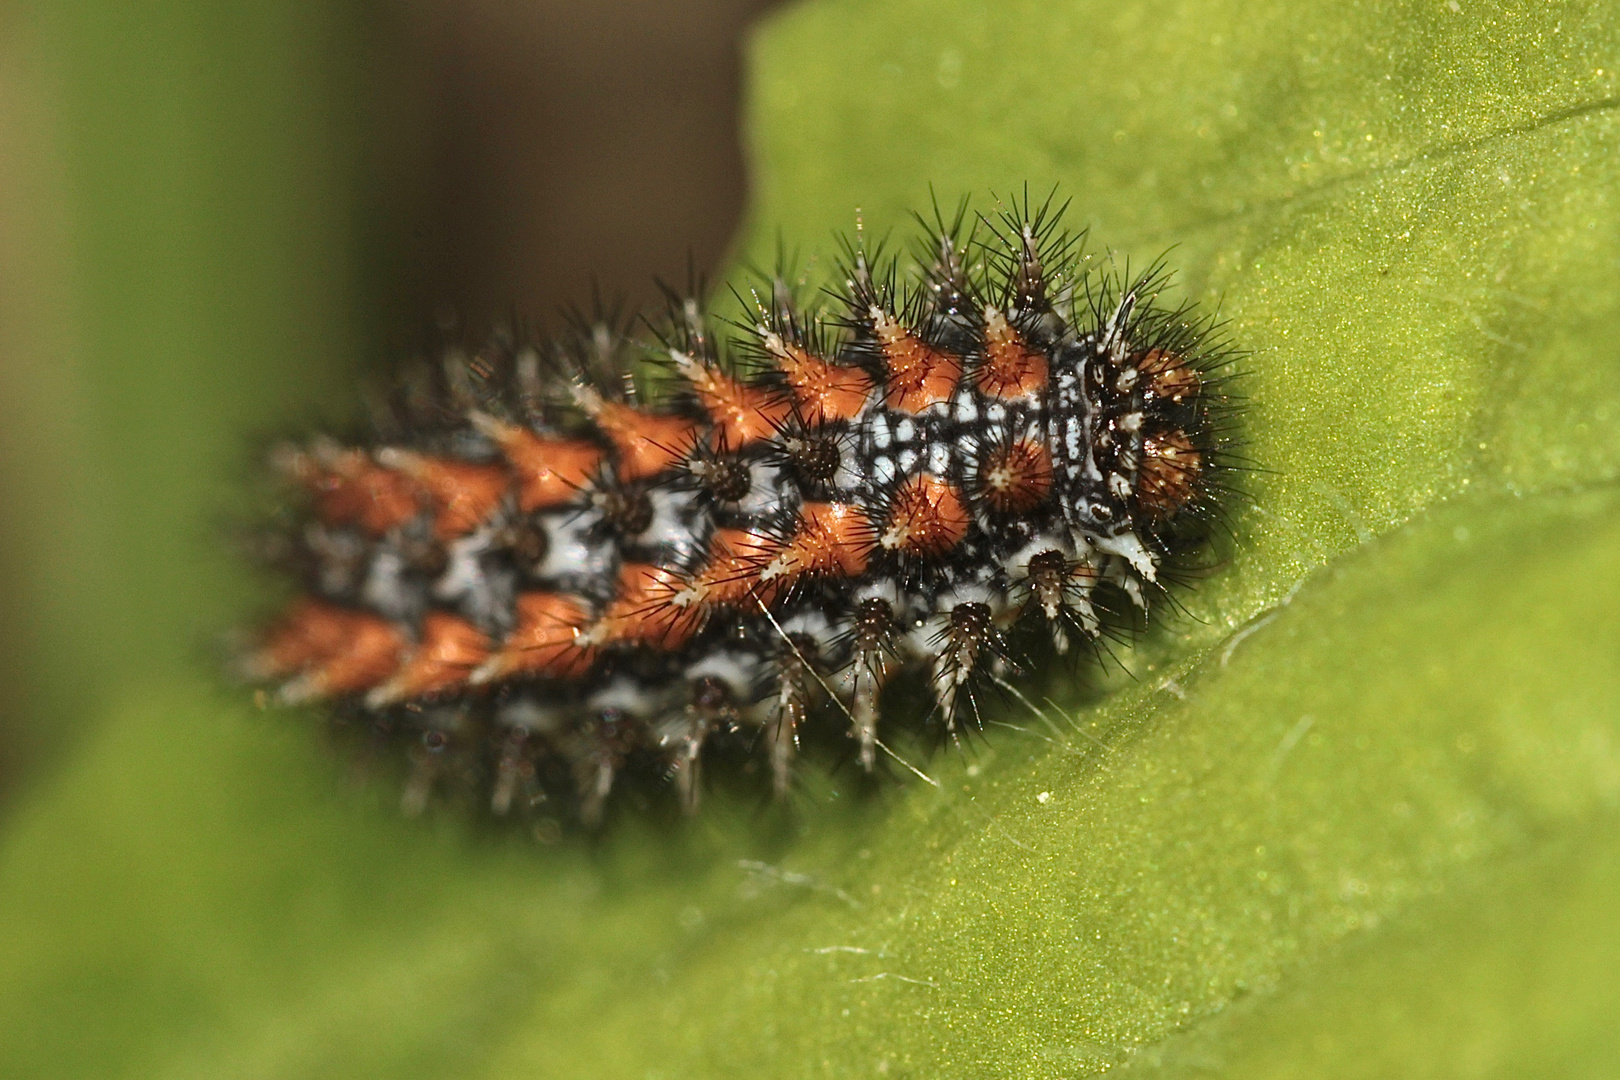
<point x="696" y="541"/>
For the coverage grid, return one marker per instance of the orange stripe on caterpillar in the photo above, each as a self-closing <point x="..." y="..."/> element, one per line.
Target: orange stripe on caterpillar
<point x="825" y="392"/>
<point x="331" y="650"/>
<point x="926" y="518"/>
<point x="835" y="539"/>
<point x="1009" y="367"/>
<point x="644" y="611"/>
<point x="306" y="633"/>
<point x="352" y="489"/>
<point x="647" y="443"/>
<point x="549" y="471"/>
<point x="732" y="574"/>
<point x="1015" y="478"/>
<point x="464" y="495"/>
<point x="919" y="374"/>
<point x="451" y="649"/>
<point x="741" y="414"/>
<point x="544" y="643"/>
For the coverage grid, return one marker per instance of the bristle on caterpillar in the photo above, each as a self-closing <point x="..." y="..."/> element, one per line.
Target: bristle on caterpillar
<point x="562" y="559"/>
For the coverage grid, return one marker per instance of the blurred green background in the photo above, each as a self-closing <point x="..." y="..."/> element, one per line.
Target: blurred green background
<point x="1353" y="813"/>
<point x="214" y="217"/>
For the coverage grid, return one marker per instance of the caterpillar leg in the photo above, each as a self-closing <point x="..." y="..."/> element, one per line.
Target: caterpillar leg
<point x="968" y="639"/>
<point x="874" y="638"/>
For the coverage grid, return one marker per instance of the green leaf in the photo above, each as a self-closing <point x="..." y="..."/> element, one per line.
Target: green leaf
<point x="1357" y="813"/>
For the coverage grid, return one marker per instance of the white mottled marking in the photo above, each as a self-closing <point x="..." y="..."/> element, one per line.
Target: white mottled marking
<point x="625" y="696"/>
<point x="883" y="589"/>
<point x="385" y="588"/>
<point x="1071" y="440"/>
<point x="569" y="550"/>
<point x="525" y="712"/>
<point x="736" y="670"/>
<point x="672" y="513"/>
<point x="1128" y="546"/>
<point x="462" y="574"/>
<point x="762" y="493"/>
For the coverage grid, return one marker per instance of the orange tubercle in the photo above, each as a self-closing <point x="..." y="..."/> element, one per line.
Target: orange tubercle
<point x="644" y="611"/>
<point x="334" y="650"/>
<point x="451" y="649"/>
<point x="741" y="414"/>
<point x="308" y="632"/>
<point x="832" y="538"/>
<point x="1010" y="368"/>
<point x="352" y="489"/>
<point x="464" y="495"/>
<point x="825" y="391"/>
<point x="927" y="518"/>
<point x="919" y="374"/>
<point x="544" y="643"/>
<point x="647" y="443"/>
<point x="549" y="472"/>
<point x="1168" y="477"/>
<point x="1016" y="478"/>
<point x="731" y="575"/>
<point x="1169" y="375"/>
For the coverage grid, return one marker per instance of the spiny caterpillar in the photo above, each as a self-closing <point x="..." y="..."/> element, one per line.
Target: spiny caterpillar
<point x="556" y="561"/>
